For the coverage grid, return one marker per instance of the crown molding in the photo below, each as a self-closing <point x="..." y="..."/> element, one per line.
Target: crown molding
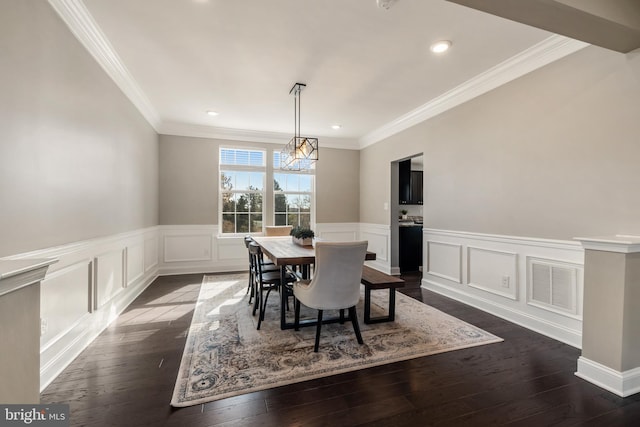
<point x="86" y="30"/>
<point x="539" y="55"/>
<point x="204" y="131"/>
<point x="75" y="14"/>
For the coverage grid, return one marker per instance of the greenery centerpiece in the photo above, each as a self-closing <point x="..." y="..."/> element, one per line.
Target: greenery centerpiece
<point x="302" y="236"/>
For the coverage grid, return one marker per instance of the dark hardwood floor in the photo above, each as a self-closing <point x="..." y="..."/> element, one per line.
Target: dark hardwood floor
<point x="126" y="378"/>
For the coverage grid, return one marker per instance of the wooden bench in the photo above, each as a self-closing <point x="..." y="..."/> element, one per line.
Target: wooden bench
<point x="373" y="279"/>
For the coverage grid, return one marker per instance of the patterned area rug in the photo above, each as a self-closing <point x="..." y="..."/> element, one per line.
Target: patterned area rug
<point x="226" y="356"/>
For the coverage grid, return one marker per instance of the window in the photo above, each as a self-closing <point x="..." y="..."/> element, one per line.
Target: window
<point x="254" y="194"/>
<point x="292" y="195"/>
<point x="242" y="179"/>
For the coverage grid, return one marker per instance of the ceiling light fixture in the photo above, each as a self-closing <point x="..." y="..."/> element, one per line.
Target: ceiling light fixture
<point x="301" y="152"/>
<point x="336" y="127"/>
<point x="440" y="46"/>
<point x="212" y="113"/>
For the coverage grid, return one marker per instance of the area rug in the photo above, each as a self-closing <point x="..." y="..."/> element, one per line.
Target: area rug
<point x="226" y="356"/>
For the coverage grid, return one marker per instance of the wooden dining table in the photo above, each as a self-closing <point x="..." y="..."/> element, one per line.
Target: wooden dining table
<point x="283" y="252"/>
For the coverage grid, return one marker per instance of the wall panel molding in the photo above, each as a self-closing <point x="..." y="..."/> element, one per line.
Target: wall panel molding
<point x="85" y="291"/>
<point x="497" y="277"/>
<point x="137" y="257"/>
<point x="108" y="273"/>
<point x="493" y="271"/>
<point x="379" y="238"/>
<point x="199" y="249"/>
<point x="348" y="231"/>
<point x="443" y="260"/>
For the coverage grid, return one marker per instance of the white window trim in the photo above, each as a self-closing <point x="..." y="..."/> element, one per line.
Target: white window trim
<point x="268" y="193"/>
<point x="242" y="168"/>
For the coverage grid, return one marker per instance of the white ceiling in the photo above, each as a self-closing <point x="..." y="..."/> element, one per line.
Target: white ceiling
<point x="366" y="68"/>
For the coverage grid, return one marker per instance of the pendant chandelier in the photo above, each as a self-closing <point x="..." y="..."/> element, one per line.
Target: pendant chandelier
<point x="301" y="152"/>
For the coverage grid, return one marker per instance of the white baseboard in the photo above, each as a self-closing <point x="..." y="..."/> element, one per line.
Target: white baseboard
<point x="204" y="269"/>
<point x="621" y="383"/>
<point x="555" y="331"/>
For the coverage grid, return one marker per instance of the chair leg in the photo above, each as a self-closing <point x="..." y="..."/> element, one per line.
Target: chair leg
<point x="297" y="315"/>
<point x="354" y="321"/>
<point x="318" y="327"/>
<point x="263" y="307"/>
<point x="252" y="287"/>
<point x="257" y="298"/>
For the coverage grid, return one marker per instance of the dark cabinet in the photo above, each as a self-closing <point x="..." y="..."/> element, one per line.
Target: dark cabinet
<point x="410" y="184"/>
<point x="410" y="248"/>
<point x="416" y="187"/>
<point x="404" y="171"/>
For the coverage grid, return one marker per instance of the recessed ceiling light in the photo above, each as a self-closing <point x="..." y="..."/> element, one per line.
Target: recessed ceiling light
<point x="440" y="46"/>
<point x="212" y="113"/>
<point x="385" y="4"/>
<point x="336" y="127"/>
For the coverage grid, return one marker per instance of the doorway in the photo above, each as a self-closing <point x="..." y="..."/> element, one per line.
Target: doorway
<point x="407" y="184"/>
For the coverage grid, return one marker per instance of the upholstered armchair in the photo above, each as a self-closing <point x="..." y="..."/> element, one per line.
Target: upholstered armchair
<point x="335" y="284"/>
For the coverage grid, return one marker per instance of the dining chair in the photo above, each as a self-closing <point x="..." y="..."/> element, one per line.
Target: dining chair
<point x="267" y="266"/>
<point x="265" y="282"/>
<point x="335" y="284"/>
<point x="277" y="230"/>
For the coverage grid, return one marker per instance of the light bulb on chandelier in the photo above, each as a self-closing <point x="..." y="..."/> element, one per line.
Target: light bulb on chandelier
<point x="301" y="152"/>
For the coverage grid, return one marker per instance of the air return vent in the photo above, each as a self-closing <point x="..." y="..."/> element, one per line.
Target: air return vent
<point x="553" y="285"/>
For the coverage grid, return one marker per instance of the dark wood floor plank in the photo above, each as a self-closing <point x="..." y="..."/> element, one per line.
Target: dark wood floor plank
<point x="126" y="378"/>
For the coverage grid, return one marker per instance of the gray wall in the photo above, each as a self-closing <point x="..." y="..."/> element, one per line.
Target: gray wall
<point x="338" y="185"/>
<point x="553" y="154"/>
<point x="189" y="181"/>
<point x="77" y="160"/>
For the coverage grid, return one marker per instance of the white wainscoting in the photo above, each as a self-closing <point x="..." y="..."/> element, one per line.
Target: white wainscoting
<point x="491" y="272"/>
<point x="445" y="261"/>
<point x="379" y="237"/>
<point x="95" y="280"/>
<point x="198" y="249"/>
<point x="345" y="232"/>
<point x="92" y="282"/>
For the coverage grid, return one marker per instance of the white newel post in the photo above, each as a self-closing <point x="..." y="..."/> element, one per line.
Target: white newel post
<point x="611" y="324"/>
<point x="20" y="329"/>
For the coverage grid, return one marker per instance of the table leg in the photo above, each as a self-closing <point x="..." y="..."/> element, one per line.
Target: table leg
<point x="283" y="297"/>
<point x="367" y="304"/>
<point x="392" y="304"/>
